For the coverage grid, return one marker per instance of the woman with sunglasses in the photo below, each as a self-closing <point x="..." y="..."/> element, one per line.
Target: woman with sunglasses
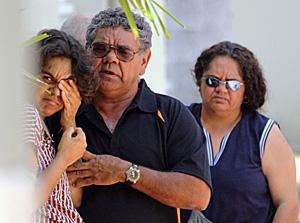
<point x="252" y="165"/>
<point x="62" y="63"/>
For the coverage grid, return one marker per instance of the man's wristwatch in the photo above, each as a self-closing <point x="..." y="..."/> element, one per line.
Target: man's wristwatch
<point x="132" y="174"/>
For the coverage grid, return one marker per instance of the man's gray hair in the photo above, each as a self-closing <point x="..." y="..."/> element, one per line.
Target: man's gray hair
<point x="117" y="18"/>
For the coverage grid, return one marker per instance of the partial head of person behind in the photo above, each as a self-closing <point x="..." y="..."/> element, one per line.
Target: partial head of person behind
<point x="59" y="57"/>
<point x="250" y="72"/>
<point x="76" y="26"/>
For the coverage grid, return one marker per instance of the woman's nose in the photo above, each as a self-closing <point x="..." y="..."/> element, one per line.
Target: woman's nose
<point x="222" y="86"/>
<point x="55" y="90"/>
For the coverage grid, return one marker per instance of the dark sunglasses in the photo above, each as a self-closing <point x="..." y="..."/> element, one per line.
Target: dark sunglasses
<point x="123" y="53"/>
<point x="232" y="85"/>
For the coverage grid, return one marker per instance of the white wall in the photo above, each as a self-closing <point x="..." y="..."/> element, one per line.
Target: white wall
<point x="14" y="188"/>
<point x="270" y="28"/>
<point x="37" y="15"/>
<point x="208" y="22"/>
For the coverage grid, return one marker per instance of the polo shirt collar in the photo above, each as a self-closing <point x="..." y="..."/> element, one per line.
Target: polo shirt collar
<point x="145" y="99"/>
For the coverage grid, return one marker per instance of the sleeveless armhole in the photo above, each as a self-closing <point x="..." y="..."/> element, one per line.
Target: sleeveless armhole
<point x="264" y="136"/>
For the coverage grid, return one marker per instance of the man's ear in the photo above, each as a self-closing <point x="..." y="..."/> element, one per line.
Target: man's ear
<point x="145" y="61"/>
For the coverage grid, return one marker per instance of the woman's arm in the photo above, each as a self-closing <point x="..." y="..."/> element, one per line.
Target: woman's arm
<point x="70" y="149"/>
<point x="72" y="100"/>
<point x="46" y="180"/>
<point x="76" y="195"/>
<point x="279" y="167"/>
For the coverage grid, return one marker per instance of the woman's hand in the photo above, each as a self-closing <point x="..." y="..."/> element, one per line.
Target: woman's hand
<point x="72" y="145"/>
<point x="72" y="100"/>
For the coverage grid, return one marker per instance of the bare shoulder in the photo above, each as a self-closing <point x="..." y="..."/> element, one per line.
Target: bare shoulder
<point x="276" y="142"/>
<point x="278" y="164"/>
<point x="277" y="150"/>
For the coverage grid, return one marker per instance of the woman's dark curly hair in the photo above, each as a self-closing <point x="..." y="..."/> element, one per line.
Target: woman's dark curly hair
<point x="251" y="72"/>
<point x="60" y="44"/>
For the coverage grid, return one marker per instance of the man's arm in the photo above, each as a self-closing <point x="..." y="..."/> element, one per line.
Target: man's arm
<point x="170" y="188"/>
<point x="174" y="189"/>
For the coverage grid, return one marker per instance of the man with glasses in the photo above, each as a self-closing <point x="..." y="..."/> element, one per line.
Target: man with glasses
<point x="146" y="154"/>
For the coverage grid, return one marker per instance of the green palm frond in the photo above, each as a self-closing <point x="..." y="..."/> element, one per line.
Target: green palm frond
<point x="30" y="77"/>
<point x="169" y="14"/>
<point x="36" y="82"/>
<point x="124" y="4"/>
<point x="150" y="17"/>
<point x="143" y="6"/>
<point x="36" y="39"/>
<point x="163" y="27"/>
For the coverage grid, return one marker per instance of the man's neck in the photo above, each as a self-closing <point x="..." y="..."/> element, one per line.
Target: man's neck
<point x="112" y="108"/>
<point x="112" y="105"/>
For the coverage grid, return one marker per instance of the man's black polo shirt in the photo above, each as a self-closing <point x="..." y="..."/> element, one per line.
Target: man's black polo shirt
<point x="155" y="131"/>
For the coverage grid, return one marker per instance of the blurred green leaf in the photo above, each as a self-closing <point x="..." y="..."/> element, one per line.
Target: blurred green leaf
<point x="146" y="11"/>
<point x="169" y="14"/>
<point x="161" y="22"/>
<point x="151" y="17"/>
<point x="36" y="82"/>
<point x="141" y="7"/>
<point x="133" y="4"/>
<point x="36" y="39"/>
<point x="124" y="4"/>
<point x="30" y="77"/>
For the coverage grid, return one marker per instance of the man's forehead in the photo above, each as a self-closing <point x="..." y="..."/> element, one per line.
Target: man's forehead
<point x="117" y="34"/>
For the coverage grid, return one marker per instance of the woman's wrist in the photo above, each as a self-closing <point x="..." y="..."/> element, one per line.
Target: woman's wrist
<point x="61" y="159"/>
<point x="68" y="125"/>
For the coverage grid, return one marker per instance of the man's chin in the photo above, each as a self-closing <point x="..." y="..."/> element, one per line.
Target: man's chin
<point x="108" y="85"/>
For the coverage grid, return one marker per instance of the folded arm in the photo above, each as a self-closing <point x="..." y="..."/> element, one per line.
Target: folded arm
<point x="170" y="188"/>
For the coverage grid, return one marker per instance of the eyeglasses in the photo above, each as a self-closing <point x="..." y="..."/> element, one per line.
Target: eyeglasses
<point x="232" y="85"/>
<point x="123" y="53"/>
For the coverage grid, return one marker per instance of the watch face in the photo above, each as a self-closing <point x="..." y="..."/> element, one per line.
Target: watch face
<point x="134" y="175"/>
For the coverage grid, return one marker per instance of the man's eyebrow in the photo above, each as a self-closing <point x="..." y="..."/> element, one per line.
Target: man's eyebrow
<point x="102" y="42"/>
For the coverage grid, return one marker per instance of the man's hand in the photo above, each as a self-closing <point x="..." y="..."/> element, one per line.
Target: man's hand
<point x="98" y="170"/>
<point x="71" y="99"/>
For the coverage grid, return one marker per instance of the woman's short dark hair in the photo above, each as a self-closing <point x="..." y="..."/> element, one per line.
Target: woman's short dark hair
<point x="251" y="72"/>
<point x="60" y="44"/>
